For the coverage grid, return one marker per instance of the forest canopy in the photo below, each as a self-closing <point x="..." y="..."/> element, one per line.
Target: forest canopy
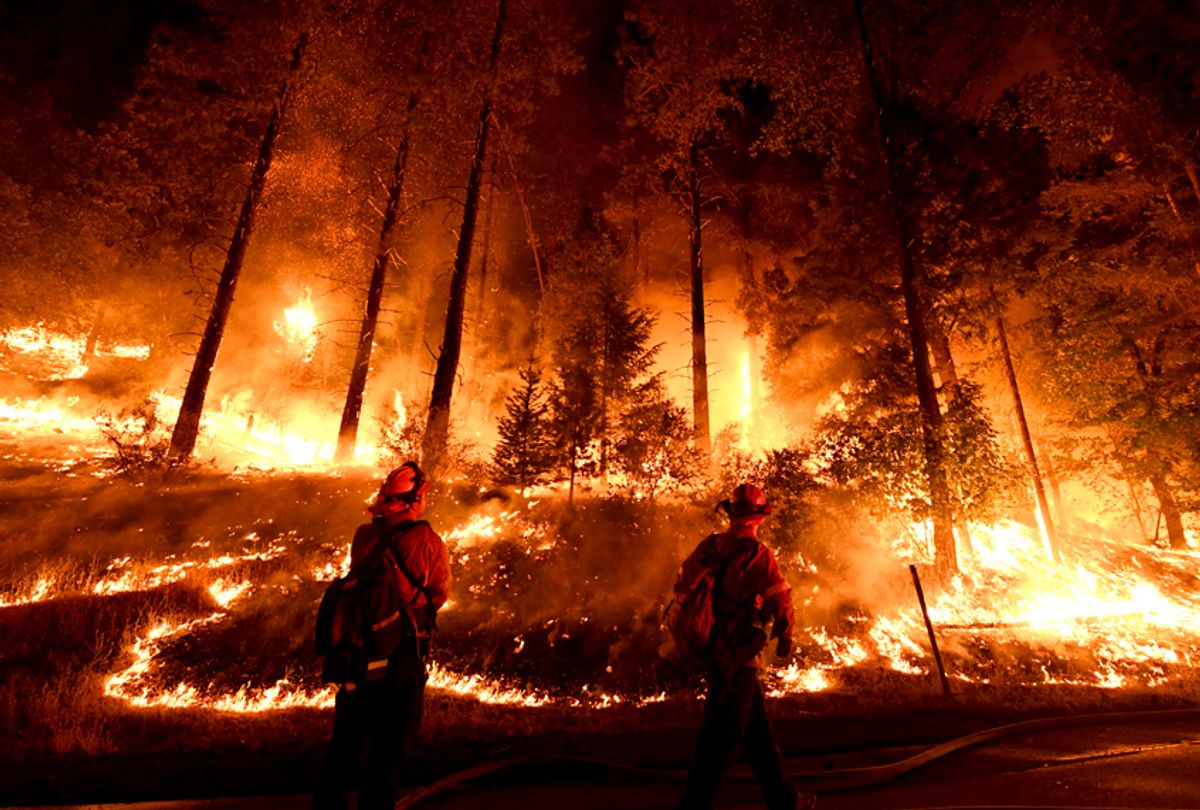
<point x="942" y="257"/>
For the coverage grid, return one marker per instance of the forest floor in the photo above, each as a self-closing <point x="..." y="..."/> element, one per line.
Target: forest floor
<point x="94" y="563"/>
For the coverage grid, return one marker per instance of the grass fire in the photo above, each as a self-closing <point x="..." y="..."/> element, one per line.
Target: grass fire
<point x="536" y="297"/>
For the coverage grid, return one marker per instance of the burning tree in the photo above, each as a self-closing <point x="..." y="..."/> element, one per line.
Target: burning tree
<point x="385" y="250"/>
<point x="187" y="425"/>
<point x="437" y="426"/>
<point x="682" y="63"/>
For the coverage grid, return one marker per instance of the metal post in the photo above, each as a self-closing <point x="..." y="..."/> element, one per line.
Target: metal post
<point x="937" y="655"/>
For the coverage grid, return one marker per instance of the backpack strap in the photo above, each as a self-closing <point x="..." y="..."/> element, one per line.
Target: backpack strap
<point x="740" y="547"/>
<point x="388" y="536"/>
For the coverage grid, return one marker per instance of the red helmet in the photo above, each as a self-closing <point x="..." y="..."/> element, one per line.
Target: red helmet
<point x="401" y="491"/>
<point x="747" y="500"/>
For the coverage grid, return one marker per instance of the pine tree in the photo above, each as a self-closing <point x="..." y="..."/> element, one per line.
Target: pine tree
<point x="525" y="454"/>
<point x="600" y="359"/>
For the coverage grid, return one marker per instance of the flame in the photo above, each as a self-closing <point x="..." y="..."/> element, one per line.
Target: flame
<point x="58" y="356"/>
<point x="479" y="528"/>
<point x="746" y="411"/>
<point x="1107" y="609"/>
<point x="41" y="589"/>
<point x="299" y="326"/>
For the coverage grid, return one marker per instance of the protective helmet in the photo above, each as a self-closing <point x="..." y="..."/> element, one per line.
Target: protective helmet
<point x="747" y="500"/>
<point x="401" y="490"/>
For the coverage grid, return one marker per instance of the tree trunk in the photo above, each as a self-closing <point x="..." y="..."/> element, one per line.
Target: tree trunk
<point x="939" y="345"/>
<point x="348" y="431"/>
<point x="1056" y="498"/>
<point x="187" y="426"/>
<point x="527" y="216"/>
<point x="911" y="282"/>
<point x="1039" y="491"/>
<point x="701" y="429"/>
<point x="1170" y="511"/>
<point x="437" y="428"/>
<point x="486" y="254"/>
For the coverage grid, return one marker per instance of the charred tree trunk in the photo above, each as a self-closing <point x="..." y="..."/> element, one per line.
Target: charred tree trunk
<point x="437" y="428"/>
<point x="1039" y="490"/>
<point x="1157" y="467"/>
<point x="939" y="345"/>
<point x="352" y="411"/>
<point x="912" y="284"/>
<point x="1169" y="508"/>
<point x="527" y="216"/>
<point x="701" y="430"/>
<point x="486" y="254"/>
<point x="187" y="426"/>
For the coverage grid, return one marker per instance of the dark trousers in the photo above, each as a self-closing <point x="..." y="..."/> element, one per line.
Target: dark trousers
<point x="378" y="718"/>
<point x="735" y="715"/>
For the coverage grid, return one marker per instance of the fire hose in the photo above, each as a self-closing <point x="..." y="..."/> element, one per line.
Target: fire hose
<point x="532" y="769"/>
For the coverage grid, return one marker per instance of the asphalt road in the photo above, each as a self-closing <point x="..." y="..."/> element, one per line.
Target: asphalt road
<point x="1149" y="765"/>
<point x="1145" y="765"/>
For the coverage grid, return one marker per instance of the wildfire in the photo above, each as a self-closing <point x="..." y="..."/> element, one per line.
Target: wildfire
<point x="481" y="527"/>
<point x="41" y="589"/>
<point x="58" y="356"/>
<point x="61" y="356"/>
<point x="299" y="326"/>
<point x="1107" y="608"/>
<point x="746" y="411"/>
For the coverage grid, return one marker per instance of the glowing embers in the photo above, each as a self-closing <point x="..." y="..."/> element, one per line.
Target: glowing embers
<point x="299" y="327"/>
<point x="124" y="574"/>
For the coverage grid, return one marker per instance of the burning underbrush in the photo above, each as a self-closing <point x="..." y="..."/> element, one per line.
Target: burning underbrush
<point x="194" y="594"/>
<point x="558" y="605"/>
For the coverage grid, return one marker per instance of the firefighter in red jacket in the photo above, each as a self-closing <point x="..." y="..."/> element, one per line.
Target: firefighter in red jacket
<point x="380" y="715"/>
<point x="751" y="599"/>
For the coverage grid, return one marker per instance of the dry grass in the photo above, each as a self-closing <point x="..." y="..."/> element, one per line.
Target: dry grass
<point x="62" y="739"/>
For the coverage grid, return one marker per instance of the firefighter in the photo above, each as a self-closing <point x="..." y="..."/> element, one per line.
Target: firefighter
<point x="750" y="598"/>
<point x="380" y="715"/>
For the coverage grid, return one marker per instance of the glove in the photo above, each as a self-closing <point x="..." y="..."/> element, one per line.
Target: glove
<point x="783" y="647"/>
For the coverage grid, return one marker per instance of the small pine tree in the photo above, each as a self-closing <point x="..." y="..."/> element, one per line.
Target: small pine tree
<point x="525" y="454"/>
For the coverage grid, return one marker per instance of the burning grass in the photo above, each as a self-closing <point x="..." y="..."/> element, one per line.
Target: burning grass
<point x="137" y="616"/>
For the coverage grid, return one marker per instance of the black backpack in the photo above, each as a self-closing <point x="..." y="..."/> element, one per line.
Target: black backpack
<point x="363" y="617"/>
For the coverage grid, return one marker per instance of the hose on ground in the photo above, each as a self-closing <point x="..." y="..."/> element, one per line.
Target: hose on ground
<point x="532" y="769"/>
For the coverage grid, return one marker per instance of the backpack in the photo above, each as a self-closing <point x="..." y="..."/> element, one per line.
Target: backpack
<point x="364" y="618"/>
<point x="690" y="617"/>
